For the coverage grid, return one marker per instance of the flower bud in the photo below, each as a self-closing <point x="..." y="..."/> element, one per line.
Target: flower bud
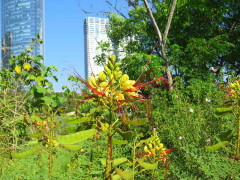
<point x="124" y="78"/>
<point x="103" y="84"/>
<point x="129" y="85"/>
<point x="117" y="68"/>
<point x="150" y="145"/>
<point x="112" y="57"/>
<point x="153" y="151"/>
<point x="119" y="96"/>
<point x="92" y="81"/>
<point x="108" y="71"/>
<point x="146" y="149"/>
<point x="102" y="76"/>
<point x="110" y="65"/>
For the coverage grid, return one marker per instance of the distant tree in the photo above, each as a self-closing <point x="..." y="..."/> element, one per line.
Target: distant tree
<point x="203" y="34"/>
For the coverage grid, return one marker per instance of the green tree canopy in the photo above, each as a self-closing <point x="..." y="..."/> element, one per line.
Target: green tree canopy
<point x="203" y="34"/>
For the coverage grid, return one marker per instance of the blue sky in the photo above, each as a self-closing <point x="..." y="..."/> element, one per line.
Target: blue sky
<point x="64" y="34"/>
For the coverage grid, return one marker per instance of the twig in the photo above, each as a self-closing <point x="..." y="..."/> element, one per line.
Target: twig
<point x="119" y="12"/>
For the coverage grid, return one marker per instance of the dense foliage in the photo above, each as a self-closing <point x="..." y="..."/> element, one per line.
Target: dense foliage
<point x="125" y="124"/>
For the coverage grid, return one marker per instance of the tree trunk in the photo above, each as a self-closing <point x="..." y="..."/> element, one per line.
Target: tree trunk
<point x="163" y="40"/>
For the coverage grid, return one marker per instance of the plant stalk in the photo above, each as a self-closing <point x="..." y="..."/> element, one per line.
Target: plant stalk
<point x="238" y="142"/>
<point x="109" y="158"/>
<point x="50" y="162"/>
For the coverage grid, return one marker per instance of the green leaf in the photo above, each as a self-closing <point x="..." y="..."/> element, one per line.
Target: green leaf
<point x="116" y="162"/>
<point x="146" y="140"/>
<point x="72" y="147"/>
<point x="137" y="122"/>
<point x="117" y="141"/>
<point x="125" y="174"/>
<point x="79" y="119"/>
<point x="68" y="114"/>
<point x="116" y="177"/>
<point x="35" y="135"/>
<point x="25" y="153"/>
<point x="126" y="135"/>
<point x="35" y="117"/>
<point x="49" y="100"/>
<point x="61" y="109"/>
<point x="76" y="137"/>
<point x="62" y="99"/>
<point x="32" y="142"/>
<point x="31" y="77"/>
<point x="41" y="89"/>
<point x="37" y="58"/>
<point x="224" y="110"/>
<point x="226" y="136"/>
<point x="146" y="165"/>
<point x="216" y="146"/>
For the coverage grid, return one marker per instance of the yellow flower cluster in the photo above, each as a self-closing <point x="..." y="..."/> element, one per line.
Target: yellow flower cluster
<point x="18" y="69"/>
<point x="113" y="83"/>
<point x="26" y="66"/>
<point x="235" y="88"/>
<point x="155" y="147"/>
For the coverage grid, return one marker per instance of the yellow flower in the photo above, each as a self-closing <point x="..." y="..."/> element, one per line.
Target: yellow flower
<point x="128" y="85"/>
<point x="119" y="96"/>
<point x="124" y="78"/>
<point x="103" y="84"/>
<point x="27" y="66"/>
<point x="18" y="69"/>
<point x="131" y="94"/>
<point x="92" y="81"/>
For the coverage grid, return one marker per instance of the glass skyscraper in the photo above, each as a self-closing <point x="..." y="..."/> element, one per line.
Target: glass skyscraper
<point x="21" y="20"/>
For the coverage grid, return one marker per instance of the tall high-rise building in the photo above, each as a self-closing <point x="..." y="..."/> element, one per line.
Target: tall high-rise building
<point x="21" y="21"/>
<point x="94" y="32"/>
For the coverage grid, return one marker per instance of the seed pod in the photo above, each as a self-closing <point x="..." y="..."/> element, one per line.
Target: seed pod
<point x="112" y="57"/>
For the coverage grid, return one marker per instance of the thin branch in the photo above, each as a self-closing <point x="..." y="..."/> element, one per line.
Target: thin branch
<point x="119" y="12"/>
<point x="130" y="3"/>
<point x="89" y="12"/>
<point x="169" y="22"/>
<point x="234" y="23"/>
<point x="154" y="23"/>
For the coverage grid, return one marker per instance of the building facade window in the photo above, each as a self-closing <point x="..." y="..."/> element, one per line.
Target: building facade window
<point x="21" y="21"/>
